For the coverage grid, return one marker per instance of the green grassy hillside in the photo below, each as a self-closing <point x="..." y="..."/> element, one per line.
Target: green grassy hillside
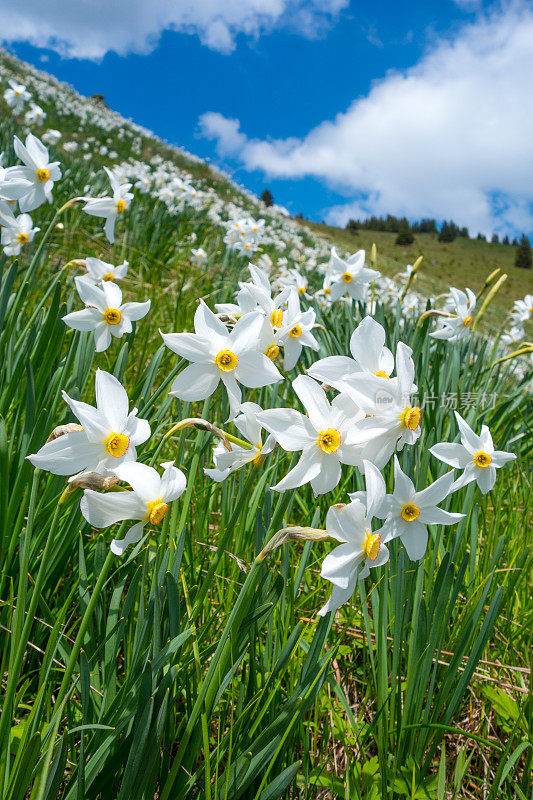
<point x="199" y="662"/>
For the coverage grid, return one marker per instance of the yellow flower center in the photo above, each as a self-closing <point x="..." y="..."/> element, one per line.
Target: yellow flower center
<point x="112" y="316"/>
<point x="410" y="418"/>
<point x="468" y="321"/>
<point x="116" y="444"/>
<point x="121" y="206"/>
<point x="43" y="175"/>
<point x="327" y="291"/>
<point x="276" y="318"/>
<point x="381" y="374"/>
<point x="482" y="459"/>
<point x="410" y="512"/>
<point x="329" y="440"/>
<point x="22" y="238"/>
<point x="258" y="460"/>
<point x="226" y="360"/>
<point x="301" y="290"/>
<point x="295" y="332"/>
<point x="156" y="511"/>
<point x="272" y="351"/>
<point x="372" y="545"/>
<point x="347" y="277"/>
<point x="108" y="277"/>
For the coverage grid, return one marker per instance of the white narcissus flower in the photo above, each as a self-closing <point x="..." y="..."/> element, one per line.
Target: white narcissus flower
<point x="105" y="314"/>
<point x="199" y="256"/>
<point x="16" y="95"/>
<point x="109" y="437"/>
<point x="360" y="548"/>
<point x="367" y="346"/>
<point x="12" y="185"/>
<point x="475" y="455"/>
<point x="295" y="331"/>
<point x="35" y="115"/>
<point x="16" y="231"/>
<point x="227" y="461"/>
<point x="110" y="207"/>
<point x="98" y="271"/>
<point x="408" y="512"/>
<point x="148" y="502"/>
<point x="349" y="276"/>
<point x="523" y="309"/>
<point x="38" y="170"/>
<point x="513" y="335"/>
<point x="321" y="435"/>
<point x="218" y="355"/>
<point x="457" y="327"/>
<point x="391" y="421"/>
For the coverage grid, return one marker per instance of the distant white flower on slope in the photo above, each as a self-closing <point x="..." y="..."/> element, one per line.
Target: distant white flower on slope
<point x="105" y="314"/>
<point x="98" y="271"/>
<point x="109" y="437"/>
<point x="408" y="512"/>
<point x="367" y="346"/>
<point x="218" y="355"/>
<point x="523" y="309"/>
<point x="16" y="95"/>
<point x="35" y="115"/>
<point x="16" y="231"/>
<point x="475" y="455"/>
<point x="360" y="548"/>
<point x="227" y="461"/>
<point x="148" y="502"/>
<point x="349" y="276"/>
<point x="52" y="136"/>
<point x="38" y="170"/>
<point x="513" y="335"/>
<point x="457" y="327"/>
<point x="321" y="435"/>
<point x="199" y="256"/>
<point x="110" y="207"/>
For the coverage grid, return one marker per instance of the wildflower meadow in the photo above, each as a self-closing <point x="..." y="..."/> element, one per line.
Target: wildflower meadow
<point x="265" y="510"/>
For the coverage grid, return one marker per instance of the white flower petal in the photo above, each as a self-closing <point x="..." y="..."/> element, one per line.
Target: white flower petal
<point x="196" y="382"/>
<point x="101" y="510"/>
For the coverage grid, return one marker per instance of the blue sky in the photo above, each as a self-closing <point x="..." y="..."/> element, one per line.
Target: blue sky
<point x="298" y="89"/>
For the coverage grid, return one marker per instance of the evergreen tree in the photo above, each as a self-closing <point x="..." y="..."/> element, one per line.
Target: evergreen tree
<point x="448" y="232"/>
<point x="505" y="240"/>
<point x="405" y="234"/>
<point x="523" y="254"/>
<point x="495" y="239"/>
<point x="266" y="197"/>
<point x="352" y="226"/>
<point x="482" y="237"/>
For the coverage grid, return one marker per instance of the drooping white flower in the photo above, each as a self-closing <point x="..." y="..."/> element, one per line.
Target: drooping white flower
<point x="38" y="170"/>
<point x="408" y="512"/>
<point x="475" y="455"/>
<point x="98" y="271"/>
<point x="391" y="421"/>
<point x="349" y="276"/>
<point x="110" y="207"/>
<point x="16" y="96"/>
<point x="321" y="436"/>
<point x="148" y="502"/>
<point x="360" y="548"/>
<point x="16" y="231"/>
<point x="367" y="346"/>
<point x="105" y="313"/>
<point x="218" y="355"/>
<point x="523" y="309"/>
<point x="109" y="437"/>
<point x="227" y="461"/>
<point x="458" y="326"/>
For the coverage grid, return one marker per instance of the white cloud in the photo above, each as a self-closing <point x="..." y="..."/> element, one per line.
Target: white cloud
<point x="92" y="28"/>
<point x="449" y="138"/>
